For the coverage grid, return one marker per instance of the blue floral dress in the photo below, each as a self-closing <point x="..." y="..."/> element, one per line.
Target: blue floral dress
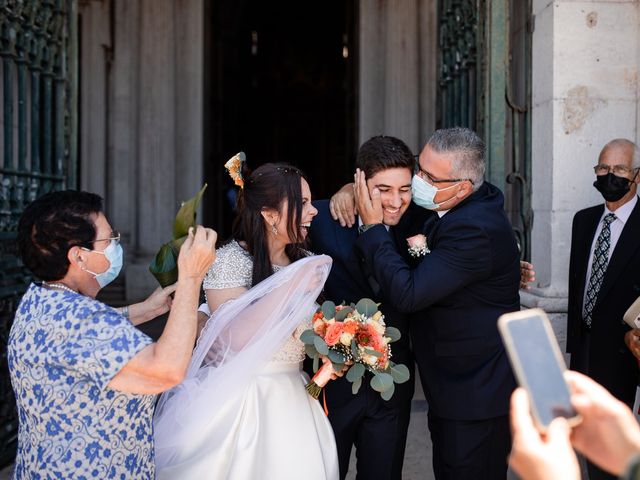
<point x="63" y="350"/>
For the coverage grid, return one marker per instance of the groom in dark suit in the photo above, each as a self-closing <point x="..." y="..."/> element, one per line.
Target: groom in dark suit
<point x="376" y="427"/>
<point x="604" y="277"/>
<point x="456" y="293"/>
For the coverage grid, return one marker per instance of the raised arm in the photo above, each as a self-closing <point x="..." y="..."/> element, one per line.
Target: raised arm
<point x="163" y="364"/>
<point x="463" y="257"/>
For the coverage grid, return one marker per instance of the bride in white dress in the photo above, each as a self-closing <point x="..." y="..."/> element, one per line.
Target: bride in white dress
<point x="243" y="411"/>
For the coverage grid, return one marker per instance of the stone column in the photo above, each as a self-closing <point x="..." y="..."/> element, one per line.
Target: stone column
<point x="585" y="93"/>
<point x="156" y="125"/>
<point x="397" y="70"/>
<point x="95" y="55"/>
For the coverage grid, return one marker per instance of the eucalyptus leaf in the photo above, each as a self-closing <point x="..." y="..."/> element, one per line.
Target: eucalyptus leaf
<point x="336" y="356"/>
<point x="381" y="382"/>
<point x="328" y="309"/>
<point x="367" y="307"/>
<point x="371" y="351"/>
<point x="311" y="351"/>
<point x="393" y="333"/>
<point x="356" y="372"/>
<point x="186" y="216"/>
<point x="387" y="394"/>
<point x="400" y="373"/>
<point x="354" y="351"/>
<point x="307" y="337"/>
<point x="320" y="345"/>
<point x="342" y="314"/>
<point x="356" y="386"/>
<point x="316" y="363"/>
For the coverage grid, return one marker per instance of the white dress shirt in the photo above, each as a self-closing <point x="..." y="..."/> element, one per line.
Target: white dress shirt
<point x="622" y="215"/>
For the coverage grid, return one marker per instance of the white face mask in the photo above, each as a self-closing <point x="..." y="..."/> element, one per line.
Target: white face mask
<point x="424" y="193"/>
<point x="114" y="254"/>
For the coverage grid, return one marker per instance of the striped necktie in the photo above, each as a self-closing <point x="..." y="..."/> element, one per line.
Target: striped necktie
<point x="598" y="267"/>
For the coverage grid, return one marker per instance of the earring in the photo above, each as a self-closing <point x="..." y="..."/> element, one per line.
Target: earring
<point x="274" y="230"/>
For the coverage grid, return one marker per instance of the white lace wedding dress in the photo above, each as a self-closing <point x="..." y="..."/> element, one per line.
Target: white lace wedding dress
<point x="243" y="412"/>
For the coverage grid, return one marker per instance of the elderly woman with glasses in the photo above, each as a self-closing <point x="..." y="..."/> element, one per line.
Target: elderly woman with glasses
<point x="85" y="378"/>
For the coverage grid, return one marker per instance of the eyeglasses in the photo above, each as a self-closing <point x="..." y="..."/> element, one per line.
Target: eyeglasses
<point x="426" y="175"/>
<point x="617" y="170"/>
<point x="115" y="237"/>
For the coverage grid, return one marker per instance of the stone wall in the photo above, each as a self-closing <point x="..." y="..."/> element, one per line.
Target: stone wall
<point x="585" y="92"/>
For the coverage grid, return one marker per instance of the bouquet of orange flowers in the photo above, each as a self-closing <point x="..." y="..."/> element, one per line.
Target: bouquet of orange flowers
<point x="356" y="335"/>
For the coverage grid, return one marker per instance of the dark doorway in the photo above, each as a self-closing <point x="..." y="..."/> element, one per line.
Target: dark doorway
<point x="280" y="81"/>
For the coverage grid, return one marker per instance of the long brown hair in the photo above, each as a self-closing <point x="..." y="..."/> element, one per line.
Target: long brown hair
<point x="268" y="186"/>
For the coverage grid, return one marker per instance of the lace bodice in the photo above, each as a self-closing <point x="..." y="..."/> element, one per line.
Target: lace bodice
<point x="232" y="268"/>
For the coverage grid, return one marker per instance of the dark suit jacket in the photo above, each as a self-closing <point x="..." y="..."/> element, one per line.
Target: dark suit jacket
<point x="348" y="283"/>
<point x="610" y="361"/>
<point x="457" y="292"/>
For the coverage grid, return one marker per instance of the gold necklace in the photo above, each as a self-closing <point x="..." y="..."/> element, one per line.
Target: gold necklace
<point x="59" y="286"/>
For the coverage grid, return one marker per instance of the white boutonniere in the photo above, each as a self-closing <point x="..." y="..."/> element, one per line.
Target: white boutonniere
<point x="418" y="245"/>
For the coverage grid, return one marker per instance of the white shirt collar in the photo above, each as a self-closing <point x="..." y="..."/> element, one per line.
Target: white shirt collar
<point x="624" y="212"/>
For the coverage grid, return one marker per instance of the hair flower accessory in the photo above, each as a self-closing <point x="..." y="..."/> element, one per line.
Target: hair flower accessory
<point x="234" y="167"/>
<point x="418" y="245"/>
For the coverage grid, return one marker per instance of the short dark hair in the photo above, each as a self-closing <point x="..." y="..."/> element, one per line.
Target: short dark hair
<point x="268" y="186"/>
<point x="382" y="153"/>
<point x="468" y="161"/>
<point x="51" y="225"/>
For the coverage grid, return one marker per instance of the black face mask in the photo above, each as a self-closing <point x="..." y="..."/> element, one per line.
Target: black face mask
<point x="611" y="187"/>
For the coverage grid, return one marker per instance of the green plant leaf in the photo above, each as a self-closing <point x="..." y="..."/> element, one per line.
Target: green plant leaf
<point x="355" y="372"/>
<point x="342" y="314"/>
<point x="316" y="363"/>
<point x="165" y="267"/>
<point x="356" y="386"/>
<point x="381" y="382"/>
<point x="393" y="333"/>
<point x="354" y="351"/>
<point x="371" y="351"/>
<point x="307" y="337"/>
<point x="336" y="357"/>
<point x="311" y="351"/>
<point x="321" y="346"/>
<point x="387" y="394"/>
<point x="186" y="216"/>
<point x="337" y="367"/>
<point x="366" y="307"/>
<point x="400" y="373"/>
<point x="328" y="309"/>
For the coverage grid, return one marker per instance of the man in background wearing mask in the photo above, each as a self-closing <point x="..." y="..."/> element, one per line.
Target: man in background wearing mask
<point x="604" y="276"/>
<point x="468" y="276"/>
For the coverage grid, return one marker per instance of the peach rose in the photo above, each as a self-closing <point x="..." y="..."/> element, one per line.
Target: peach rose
<point x="333" y="333"/>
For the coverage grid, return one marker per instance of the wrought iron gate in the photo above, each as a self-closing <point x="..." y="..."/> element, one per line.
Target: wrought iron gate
<point x="38" y="57"/>
<point x="485" y="84"/>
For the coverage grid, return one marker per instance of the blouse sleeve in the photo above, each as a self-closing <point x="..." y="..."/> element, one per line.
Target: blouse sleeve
<point x="232" y="268"/>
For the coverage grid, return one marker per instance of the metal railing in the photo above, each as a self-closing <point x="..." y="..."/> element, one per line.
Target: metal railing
<point x="36" y="139"/>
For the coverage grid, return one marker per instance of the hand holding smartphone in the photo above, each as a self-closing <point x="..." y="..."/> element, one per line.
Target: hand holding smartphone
<point x="538" y="365"/>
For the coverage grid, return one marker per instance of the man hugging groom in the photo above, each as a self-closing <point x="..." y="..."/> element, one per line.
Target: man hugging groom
<point x="446" y="303"/>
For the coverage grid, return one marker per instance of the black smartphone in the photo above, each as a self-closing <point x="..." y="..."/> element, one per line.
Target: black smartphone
<point x="538" y="365"/>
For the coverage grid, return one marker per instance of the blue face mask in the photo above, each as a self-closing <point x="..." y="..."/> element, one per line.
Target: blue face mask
<point x="423" y="193"/>
<point x="114" y="254"/>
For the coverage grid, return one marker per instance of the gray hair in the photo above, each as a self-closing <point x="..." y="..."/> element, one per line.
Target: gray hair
<point x="624" y="143"/>
<point x="468" y="161"/>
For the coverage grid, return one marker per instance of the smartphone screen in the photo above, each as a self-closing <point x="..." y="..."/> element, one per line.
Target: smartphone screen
<point x="538" y="364"/>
